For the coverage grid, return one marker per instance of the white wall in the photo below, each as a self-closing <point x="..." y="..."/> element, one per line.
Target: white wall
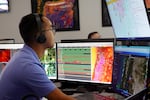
<point x="90" y="20"/>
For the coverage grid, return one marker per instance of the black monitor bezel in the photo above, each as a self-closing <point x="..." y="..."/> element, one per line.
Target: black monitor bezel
<point x="88" y="40"/>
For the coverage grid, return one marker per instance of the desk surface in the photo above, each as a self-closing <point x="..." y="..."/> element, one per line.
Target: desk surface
<point x="97" y="96"/>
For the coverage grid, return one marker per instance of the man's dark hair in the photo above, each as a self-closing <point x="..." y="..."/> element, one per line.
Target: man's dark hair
<point x="90" y="34"/>
<point x="28" y="27"/>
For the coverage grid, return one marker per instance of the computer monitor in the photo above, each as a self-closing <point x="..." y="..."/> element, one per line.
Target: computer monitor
<point x="6" y="52"/>
<point x="4" y="6"/>
<point x="49" y="62"/>
<point x="130" y="69"/>
<point x="129" y="19"/>
<point x="90" y="62"/>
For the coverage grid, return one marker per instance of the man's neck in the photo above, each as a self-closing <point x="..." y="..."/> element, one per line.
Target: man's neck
<point x="39" y="49"/>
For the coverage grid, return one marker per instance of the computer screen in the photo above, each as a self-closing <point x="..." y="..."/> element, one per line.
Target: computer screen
<point x="49" y="62"/>
<point x="85" y="62"/>
<point x="130" y="69"/>
<point x="129" y="19"/>
<point x="6" y="52"/>
<point x="4" y="6"/>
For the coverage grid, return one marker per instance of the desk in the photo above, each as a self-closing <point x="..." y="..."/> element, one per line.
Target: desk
<point x="97" y="96"/>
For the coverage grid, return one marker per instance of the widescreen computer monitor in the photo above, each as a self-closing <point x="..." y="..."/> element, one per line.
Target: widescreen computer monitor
<point x="129" y="19"/>
<point x="6" y="52"/>
<point x="130" y="69"/>
<point x="49" y="62"/>
<point x="90" y="62"/>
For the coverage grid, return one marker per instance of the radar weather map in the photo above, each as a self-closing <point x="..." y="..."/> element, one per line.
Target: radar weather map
<point x="129" y="18"/>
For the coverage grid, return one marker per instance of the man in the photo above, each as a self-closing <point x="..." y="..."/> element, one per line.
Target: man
<point x="24" y="76"/>
<point x="94" y="35"/>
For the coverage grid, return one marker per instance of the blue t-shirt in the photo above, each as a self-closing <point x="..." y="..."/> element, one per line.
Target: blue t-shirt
<point x="24" y="75"/>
